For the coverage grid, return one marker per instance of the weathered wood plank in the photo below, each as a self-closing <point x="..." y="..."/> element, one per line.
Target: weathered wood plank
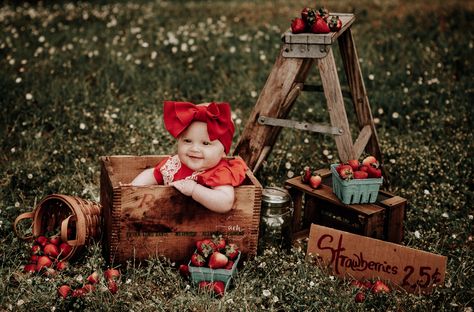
<point x="362" y="140"/>
<point x="359" y="95"/>
<point x="275" y="100"/>
<point x="335" y="103"/>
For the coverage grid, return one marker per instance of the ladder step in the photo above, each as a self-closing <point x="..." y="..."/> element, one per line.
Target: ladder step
<point x="319" y="88"/>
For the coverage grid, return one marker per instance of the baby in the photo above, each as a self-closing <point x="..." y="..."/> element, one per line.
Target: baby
<point x="199" y="169"/>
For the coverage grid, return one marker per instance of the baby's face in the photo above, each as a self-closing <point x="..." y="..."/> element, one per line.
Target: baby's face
<point x="196" y="150"/>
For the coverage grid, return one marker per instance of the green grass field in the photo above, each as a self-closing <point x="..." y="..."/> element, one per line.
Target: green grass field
<point x="81" y="80"/>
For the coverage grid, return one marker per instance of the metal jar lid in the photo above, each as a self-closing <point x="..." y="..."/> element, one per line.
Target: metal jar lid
<point x="275" y="197"/>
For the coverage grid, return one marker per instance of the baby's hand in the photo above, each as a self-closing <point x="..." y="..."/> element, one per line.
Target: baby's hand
<point x="185" y="186"/>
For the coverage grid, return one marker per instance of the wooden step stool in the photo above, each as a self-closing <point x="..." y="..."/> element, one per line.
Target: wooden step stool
<point x="382" y="219"/>
<point x="298" y="54"/>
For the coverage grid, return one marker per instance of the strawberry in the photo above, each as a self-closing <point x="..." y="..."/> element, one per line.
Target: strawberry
<point x="111" y="274"/>
<point x="380" y="287"/>
<point x="65" y="249"/>
<point x="55" y="240"/>
<point x="360" y="174"/>
<point x="354" y="163"/>
<point x="88" y="288"/>
<point x="217" y="260"/>
<point x="93" y="278"/>
<point x="306" y="174"/>
<point x="219" y="288"/>
<point x="112" y="286"/>
<point x="205" y="247"/>
<point x="219" y="242"/>
<point x="308" y="15"/>
<point x="320" y="27"/>
<point x="64" y="291"/>
<point x="29" y="268"/>
<point x="231" y="251"/>
<point x="370" y="161"/>
<point x="43" y="262"/>
<point x="62" y="265"/>
<point x="184" y="270"/>
<point x="364" y="168"/>
<point x="51" y="250"/>
<point x="335" y="23"/>
<point x="346" y="172"/>
<point x="204" y="284"/>
<point x="298" y="25"/>
<point x="359" y="297"/>
<point x="322" y="13"/>
<point x="229" y="265"/>
<point x="34" y="259"/>
<point x="36" y="250"/>
<point x="197" y="260"/>
<point x="374" y="172"/>
<point x="339" y="167"/>
<point x="315" y="181"/>
<point x="41" y="240"/>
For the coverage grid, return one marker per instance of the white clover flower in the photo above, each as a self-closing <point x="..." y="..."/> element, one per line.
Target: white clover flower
<point x="470" y="217"/>
<point x="310" y="110"/>
<point x="290" y="174"/>
<point x="380" y="111"/>
<point x="371" y="77"/>
<point x="155" y="141"/>
<point x="376" y="120"/>
<point x="392" y="161"/>
<point x="266" y="293"/>
<point x="331" y="277"/>
<point x="184" y="47"/>
<point x="238" y="121"/>
<point x="405" y="90"/>
<point x="82" y="126"/>
<point x="287" y="165"/>
<point x="28" y="96"/>
<point x="153" y="55"/>
<point x="253" y="93"/>
<point x="311" y="284"/>
<point x="30" y="176"/>
<point x="174" y="50"/>
<point x="325" y="152"/>
<point x="306" y="140"/>
<point x="263" y="57"/>
<point x="275" y="299"/>
<point x="18" y="80"/>
<point x="417" y="234"/>
<point x="17" y="204"/>
<point x="395" y="115"/>
<point x="426" y="192"/>
<point x="20" y="302"/>
<point x="232" y="49"/>
<point x="133" y="140"/>
<point x="329" y="156"/>
<point x="445" y="215"/>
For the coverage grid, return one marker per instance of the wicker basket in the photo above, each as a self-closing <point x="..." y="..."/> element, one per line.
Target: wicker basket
<point x="60" y="212"/>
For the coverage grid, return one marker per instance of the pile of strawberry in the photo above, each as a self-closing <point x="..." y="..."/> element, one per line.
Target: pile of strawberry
<point x="363" y="287"/>
<point x="315" y="21"/>
<point x="353" y="169"/>
<point x="112" y="276"/>
<point x="311" y="178"/>
<point x="48" y="255"/>
<point x="215" y="253"/>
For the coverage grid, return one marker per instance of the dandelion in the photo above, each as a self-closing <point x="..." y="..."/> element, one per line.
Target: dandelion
<point x="380" y="111"/>
<point x="29" y="96"/>
<point x="266" y="293"/>
<point x="17" y="205"/>
<point x="325" y="152"/>
<point x="30" y="176"/>
<point x="395" y="115"/>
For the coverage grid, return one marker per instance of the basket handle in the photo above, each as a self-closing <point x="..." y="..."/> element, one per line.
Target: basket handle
<point x="64" y="226"/>
<point x="26" y="215"/>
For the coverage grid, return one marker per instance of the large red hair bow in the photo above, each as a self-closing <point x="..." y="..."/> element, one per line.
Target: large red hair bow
<point x="179" y="115"/>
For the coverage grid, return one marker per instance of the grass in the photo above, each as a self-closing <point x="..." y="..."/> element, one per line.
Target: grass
<point x="80" y="80"/>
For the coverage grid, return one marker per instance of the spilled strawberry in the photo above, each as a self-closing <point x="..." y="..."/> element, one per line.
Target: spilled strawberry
<point x="298" y="26"/>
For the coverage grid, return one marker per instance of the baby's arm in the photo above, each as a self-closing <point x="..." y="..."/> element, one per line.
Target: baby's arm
<point x="218" y="199"/>
<point x="146" y="177"/>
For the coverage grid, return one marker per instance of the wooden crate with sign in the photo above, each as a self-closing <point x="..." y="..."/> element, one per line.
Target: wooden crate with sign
<point x="382" y="219"/>
<point x="150" y="221"/>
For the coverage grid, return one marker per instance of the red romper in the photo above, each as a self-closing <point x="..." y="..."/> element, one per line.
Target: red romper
<point x="226" y="172"/>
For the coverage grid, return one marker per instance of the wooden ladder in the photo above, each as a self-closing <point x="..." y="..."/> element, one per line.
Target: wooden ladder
<point x="286" y="82"/>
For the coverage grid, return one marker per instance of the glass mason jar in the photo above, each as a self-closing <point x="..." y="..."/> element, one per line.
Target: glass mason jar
<point x="275" y="221"/>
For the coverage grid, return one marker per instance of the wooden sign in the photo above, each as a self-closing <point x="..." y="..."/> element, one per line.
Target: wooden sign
<point x="366" y="258"/>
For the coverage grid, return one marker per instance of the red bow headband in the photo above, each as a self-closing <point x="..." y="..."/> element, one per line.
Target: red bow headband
<point x="179" y="115"/>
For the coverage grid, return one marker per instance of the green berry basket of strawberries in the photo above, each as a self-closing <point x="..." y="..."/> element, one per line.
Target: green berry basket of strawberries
<point x="357" y="183"/>
<point x="214" y="260"/>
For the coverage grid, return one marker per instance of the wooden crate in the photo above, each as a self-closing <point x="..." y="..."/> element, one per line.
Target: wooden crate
<point x="141" y="222"/>
<point x="382" y="219"/>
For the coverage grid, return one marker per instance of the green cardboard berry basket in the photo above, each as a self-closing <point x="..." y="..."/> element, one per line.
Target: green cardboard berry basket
<point x="199" y="274"/>
<point x="355" y="191"/>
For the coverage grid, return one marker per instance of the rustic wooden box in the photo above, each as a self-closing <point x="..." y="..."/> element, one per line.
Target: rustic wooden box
<point x="382" y="219"/>
<point x="146" y="221"/>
